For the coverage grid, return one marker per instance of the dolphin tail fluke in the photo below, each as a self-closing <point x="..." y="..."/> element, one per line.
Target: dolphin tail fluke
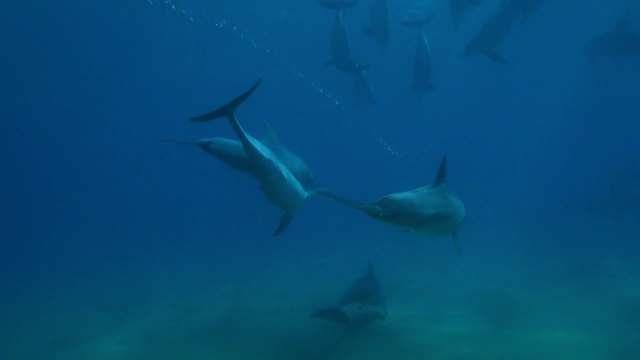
<point x="285" y="220"/>
<point x="229" y="109"/>
<point x="456" y="243"/>
<point x="442" y="172"/>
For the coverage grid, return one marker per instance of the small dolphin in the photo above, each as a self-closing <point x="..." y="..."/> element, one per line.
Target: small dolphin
<point x="362" y="88"/>
<point x="338" y="4"/>
<point x="378" y="26"/>
<point x="616" y="43"/>
<point x="232" y="153"/>
<point x="364" y="291"/>
<point x="422" y="72"/>
<point x="341" y="48"/>
<point x="459" y="8"/>
<point x="494" y="31"/>
<point x="431" y="209"/>
<point x="278" y="183"/>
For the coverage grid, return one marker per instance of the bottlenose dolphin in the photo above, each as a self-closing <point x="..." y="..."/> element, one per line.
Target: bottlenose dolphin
<point x="494" y="31"/>
<point x="341" y="48"/>
<point x="362" y="88"/>
<point x="378" y="26"/>
<point x="364" y="291"/>
<point x="459" y="8"/>
<point x="431" y="209"/>
<point x="278" y="183"/>
<point x="616" y="43"/>
<point x="232" y="153"/>
<point x="338" y="4"/>
<point x="422" y="72"/>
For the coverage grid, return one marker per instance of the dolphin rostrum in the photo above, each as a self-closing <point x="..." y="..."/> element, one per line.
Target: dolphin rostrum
<point x="432" y="209"/>
<point x="364" y="291"/>
<point x="278" y="183"/>
<point x="232" y="153"/>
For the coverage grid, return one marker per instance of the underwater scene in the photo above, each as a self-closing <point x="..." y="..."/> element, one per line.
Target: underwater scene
<point x="320" y="179"/>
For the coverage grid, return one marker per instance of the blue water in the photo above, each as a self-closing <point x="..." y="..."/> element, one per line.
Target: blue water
<point x="114" y="245"/>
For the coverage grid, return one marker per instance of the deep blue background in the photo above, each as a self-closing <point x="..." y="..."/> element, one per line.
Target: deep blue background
<point x="89" y="193"/>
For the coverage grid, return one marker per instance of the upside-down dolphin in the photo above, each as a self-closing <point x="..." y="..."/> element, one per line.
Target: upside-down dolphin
<point x="378" y="26"/>
<point x="341" y="47"/>
<point x="432" y="209"/>
<point x="364" y="291"/>
<point x="280" y="186"/>
<point x="492" y="33"/>
<point x="616" y="43"/>
<point x="232" y="153"/>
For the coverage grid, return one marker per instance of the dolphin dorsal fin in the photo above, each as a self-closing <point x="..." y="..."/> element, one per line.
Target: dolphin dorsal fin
<point x="270" y="139"/>
<point x="623" y="23"/>
<point x="442" y="173"/>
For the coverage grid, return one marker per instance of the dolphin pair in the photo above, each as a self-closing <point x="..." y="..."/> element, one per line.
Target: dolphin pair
<point x="431" y="209"/>
<point x="232" y="153"/>
<point x="616" y="43"/>
<point x="364" y="291"/>
<point x="277" y="181"/>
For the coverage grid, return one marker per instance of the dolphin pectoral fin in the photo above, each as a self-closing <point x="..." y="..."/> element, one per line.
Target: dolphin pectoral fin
<point x="456" y="243"/>
<point x="284" y="223"/>
<point x="229" y="109"/>
<point x="495" y="56"/>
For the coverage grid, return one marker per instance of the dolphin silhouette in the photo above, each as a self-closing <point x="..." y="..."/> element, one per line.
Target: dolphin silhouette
<point x="616" y="43"/>
<point x="432" y="209"/>
<point x="280" y="186"/>
<point x="341" y="48"/>
<point x="378" y="26"/>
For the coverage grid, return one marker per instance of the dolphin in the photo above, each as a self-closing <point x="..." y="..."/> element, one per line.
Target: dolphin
<point x="378" y="26"/>
<point x="338" y="4"/>
<point x="362" y="88"/>
<point x="432" y="209"/>
<point x="494" y="31"/>
<point x="616" y="43"/>
<point x="280" y="186"/>
<point x="459" y="8"/>
<point x="422" y="72"/>
<point x="232" y="153"/>
<point x="341" y="48"/>
<point x="364" y="291"/>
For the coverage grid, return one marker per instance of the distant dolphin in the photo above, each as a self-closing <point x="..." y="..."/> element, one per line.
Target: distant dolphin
<point x="431" y="209"/>
<point x="338" y="4"/>
<point x="492" y="33"/>
<point x="378" y="26"/>
<point x="362" y="88"/>
<point x="232" y="153"/>
<point x="278" y="183"/>
<point x="422" y="71"/>
<point x="459" y="8"/>
<point x="616" y="43"/>
<point x="364" y="291"/>
<point x="341" y="48"/>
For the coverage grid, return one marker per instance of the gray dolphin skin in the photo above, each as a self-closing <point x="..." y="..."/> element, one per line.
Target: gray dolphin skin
<point x="459" y="8"/>
<point x="492" y="33"/>
<point x="431" y="209"/>
<point x="341" y="48"/>
<point x="364" y="291"/>
<point x="616" y="43"/>
<point x="338" y="4"/>
<point x="232" y="153"/>
<point x="378" y="26"/>
<point x="278" y="183"/>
